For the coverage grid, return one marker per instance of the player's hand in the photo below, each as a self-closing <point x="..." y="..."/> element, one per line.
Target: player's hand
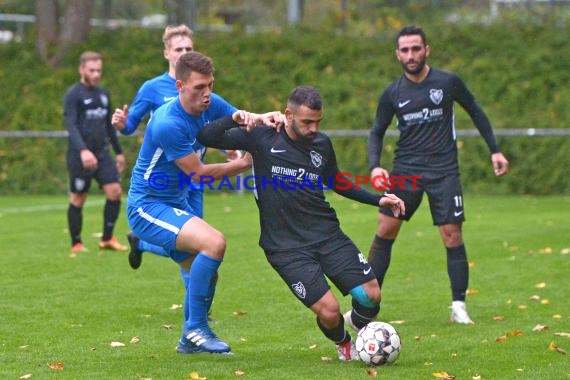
<point x="88" y="160"/>
<point x="245" y="119"/>
<point x="393" y="203"/>
<point x="119" y="118"/>
<point x="233" y="154"/>
<point x="121" y="163"/>
<point x="248" y="159"/>
<point x="500" y="164"/>
<point x="274" y="119"/>
<point x="380" y="179"/>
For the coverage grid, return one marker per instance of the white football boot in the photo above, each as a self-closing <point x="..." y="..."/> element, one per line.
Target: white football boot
<point x="459" y="313"/>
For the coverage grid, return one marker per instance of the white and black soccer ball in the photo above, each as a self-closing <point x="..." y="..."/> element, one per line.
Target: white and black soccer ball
<point x="378" y="343"/>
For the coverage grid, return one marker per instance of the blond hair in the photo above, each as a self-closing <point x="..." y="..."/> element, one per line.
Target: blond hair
<point x="89" y="56"/>
<point x="176" y="30"/>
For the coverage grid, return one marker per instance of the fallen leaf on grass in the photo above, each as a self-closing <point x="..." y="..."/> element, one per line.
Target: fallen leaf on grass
<point x="117" y="344"/>
<point x="326" y="358"/>
<point x="397" y="322"/>
<point x="417" y="337"/>
<point x="545" y="251"/>
<point x="26" y="346"/>
<point x="515" y="333"/>
<point x="26" y="376"/>
<point x="240" y="313"/>
<point x="501" y="339"/>
<point x="239" y="373"/>
<point x="56" y="366"/>
<point x="476" y="377"/>
<point x="372" y="372"/>
<point x="471" y="264"/>
<point x="564" y="334"/>
<point x="539" y="328"/>
<point x="535" y="297"/>
<point x="540" y="285"/>
<point x="196" y="376"/>
<point x="499" y="318"/>
<point x="175" y="306"/>
<point x="313" y="346"/>
<point x="428" y="364"/>
<point x="472" y="291"/>
<point x="443" y="376"/>
<point x="135" y="340"/>
<point x="243" y="339"/>
<point x="552" y="346"/>
<point x="565" y="251"/>
<point x="557" y="316"/>
<point x="168" y="327"/>
<point x="523" y="307"/>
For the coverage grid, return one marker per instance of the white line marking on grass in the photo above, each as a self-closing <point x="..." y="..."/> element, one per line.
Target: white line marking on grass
<point x="41" y="208"/>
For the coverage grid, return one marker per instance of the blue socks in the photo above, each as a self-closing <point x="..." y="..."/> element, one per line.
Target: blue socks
<point x="156" y="249"/>
<point x="200" y="292"/>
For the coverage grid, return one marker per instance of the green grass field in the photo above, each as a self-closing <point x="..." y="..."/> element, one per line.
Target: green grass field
<point x="65" y="312"/>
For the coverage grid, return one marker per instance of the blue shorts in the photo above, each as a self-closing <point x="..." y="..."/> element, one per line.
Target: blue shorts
<point x="159" y="224"/>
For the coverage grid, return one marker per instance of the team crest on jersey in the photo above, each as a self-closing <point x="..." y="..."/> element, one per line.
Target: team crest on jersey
<point x="316" y="158"/>
<point x="104" y="100"/>
<point x="299" y="289"/>
<point x="79" y="184"/>
<point x="436" y="96"/>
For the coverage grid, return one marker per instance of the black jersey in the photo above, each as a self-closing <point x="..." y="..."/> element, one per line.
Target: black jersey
<point x="87" y="117"/>
<point x="289" y="179"/>
<point x="426" y="122"/>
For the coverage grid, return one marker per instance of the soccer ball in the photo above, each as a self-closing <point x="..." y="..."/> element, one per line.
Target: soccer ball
<point x="378" y="343"/>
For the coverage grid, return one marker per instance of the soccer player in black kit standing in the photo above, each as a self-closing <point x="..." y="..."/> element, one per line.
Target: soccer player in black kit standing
<point x="300" y="232"/>
<point x="422" y="101"/>
<point x="87" y="117"/>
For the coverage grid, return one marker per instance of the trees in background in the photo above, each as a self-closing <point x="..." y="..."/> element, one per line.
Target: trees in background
<point x="54" y="38"/>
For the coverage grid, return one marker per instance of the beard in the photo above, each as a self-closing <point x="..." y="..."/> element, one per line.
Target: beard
<point x="308" y="138"/>
<point x="420" y="66"/>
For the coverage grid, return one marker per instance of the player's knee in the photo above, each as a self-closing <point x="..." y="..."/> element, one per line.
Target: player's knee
<point x="369" y="298"/>
<point x="217" y="243"/>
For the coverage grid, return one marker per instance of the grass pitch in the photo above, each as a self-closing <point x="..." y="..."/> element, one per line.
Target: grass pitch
<point x="60" y="315"/>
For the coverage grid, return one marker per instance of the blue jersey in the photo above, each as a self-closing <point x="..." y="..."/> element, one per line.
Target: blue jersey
<point x="152" y="94"/>
<point x="170" y="135"/>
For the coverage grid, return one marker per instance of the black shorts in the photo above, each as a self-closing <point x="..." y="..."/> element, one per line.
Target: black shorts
<point x="80" y="178"/>
<point x="444" y="193"/>
<point x="304" y="269"/>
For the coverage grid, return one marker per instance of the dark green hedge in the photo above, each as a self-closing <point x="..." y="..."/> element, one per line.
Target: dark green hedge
<point x="519" y="74"/>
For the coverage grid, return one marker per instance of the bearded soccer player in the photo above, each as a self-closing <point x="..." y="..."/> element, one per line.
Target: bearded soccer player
<point x="422" y="100"/>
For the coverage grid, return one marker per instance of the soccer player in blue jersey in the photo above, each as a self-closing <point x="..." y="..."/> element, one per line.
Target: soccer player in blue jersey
<point x="422" y="100"/>
<point x="151" y="95"/>
<point x="158" y="210"/>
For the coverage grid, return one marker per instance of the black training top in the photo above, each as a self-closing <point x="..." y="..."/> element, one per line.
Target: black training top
<point x="87" y="117"/>
<point x="289" y="180"/>
<point x="426" y="122"/>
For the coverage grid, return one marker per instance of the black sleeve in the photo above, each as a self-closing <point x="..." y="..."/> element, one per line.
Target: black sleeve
<point x="384" y="115"/>
<point x="466" y="99"/>
<point x="111" y="131"/>
<point x="342" y="185"/>
<point x="71" y="119"/>
<point x="225" y="133"/>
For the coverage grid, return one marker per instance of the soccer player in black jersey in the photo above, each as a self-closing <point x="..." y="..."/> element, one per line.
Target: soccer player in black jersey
<point x="300" y="232"/>
<point x="87" y="117"/>
<point x="422" y="101"/>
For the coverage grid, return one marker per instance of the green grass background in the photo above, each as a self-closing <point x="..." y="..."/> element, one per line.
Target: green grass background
<point x="58" y="309"/>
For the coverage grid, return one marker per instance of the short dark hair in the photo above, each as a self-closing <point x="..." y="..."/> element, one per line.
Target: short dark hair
<point x="305" y="96"/>
<point x="412" y="30"/>
<point x="193" y="61"/>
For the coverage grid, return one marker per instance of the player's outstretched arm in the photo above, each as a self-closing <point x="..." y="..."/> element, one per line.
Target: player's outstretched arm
<point x="192" y="165"/>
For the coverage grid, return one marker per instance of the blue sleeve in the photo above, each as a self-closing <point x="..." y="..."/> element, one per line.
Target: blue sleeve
<point x="173" y="138"/>
<point x="140" y="107"/>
